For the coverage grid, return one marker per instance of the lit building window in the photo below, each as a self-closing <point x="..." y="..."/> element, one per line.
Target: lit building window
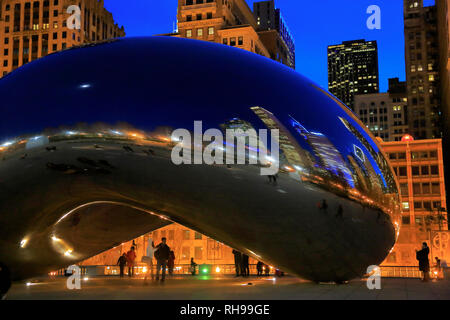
<point x="189" y="33"/>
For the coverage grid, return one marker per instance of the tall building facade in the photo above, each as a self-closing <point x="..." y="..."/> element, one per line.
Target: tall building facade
<point x="419" y="167"/>
<point x="353" y="70"/>
<point x="274" y="32"/>
<point x="385" y="114"/>
<point x="33" y="29"/>
<point x="422" y="70"/>
<point x="443" y="9"/>
<point x="230" y="22"/>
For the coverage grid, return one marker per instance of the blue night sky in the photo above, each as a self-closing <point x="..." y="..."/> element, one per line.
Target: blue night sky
<point x="314" y="24"/>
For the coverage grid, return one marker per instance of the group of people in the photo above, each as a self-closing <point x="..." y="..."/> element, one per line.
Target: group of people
<point x="242" y="265"/>
<point x="165" y="259"/>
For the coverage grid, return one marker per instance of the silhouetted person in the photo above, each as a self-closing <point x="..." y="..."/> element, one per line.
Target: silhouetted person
<point x="131" y="257"/>
<point x="259" y="268"/>
<point x="279" y="273"/>
<point x="340" y="212"/>
<point x="162" y="255"/>
<point x="171" y="262"/>
<point x="438" y="266"/>
<point x="244" y="266"/>
<point x="149" y="260"/>
<point x="237" y="262"/>
<point x="324" y="205"/>
<point x="193" y="267"/>
<point x="122" y="263"/>
<point x="5" y="281"/>
<point x="424" y="262"/>
<point x="273" y="178"/>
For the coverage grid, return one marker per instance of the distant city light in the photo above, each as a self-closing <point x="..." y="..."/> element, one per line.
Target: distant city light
<point x="23" y="243"/>
<point x="7" y="144"/>
<point x="407" y="137"/>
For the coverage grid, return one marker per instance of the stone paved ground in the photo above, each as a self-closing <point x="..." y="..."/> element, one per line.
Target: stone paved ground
<point x="227" y="288"/>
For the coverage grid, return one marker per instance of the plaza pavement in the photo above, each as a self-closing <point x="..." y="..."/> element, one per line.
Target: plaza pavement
<point x="227" y="288"/>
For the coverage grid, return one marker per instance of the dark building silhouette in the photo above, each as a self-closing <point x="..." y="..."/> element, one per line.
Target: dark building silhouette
<point x="280" y="44"/>
<point x="353" y="70"/>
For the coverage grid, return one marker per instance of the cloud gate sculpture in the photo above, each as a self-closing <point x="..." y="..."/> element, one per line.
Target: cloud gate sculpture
<point x="86" y="160"/>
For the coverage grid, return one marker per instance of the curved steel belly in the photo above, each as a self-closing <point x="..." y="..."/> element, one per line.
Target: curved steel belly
<point x="237" y="206"/>
<point x="88" y="133"/>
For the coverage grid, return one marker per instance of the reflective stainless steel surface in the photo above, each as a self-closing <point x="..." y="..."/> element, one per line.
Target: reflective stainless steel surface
<point x="85" y="160"/>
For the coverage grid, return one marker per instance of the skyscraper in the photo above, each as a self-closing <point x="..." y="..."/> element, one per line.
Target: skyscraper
<point x="422" y="69"/>
<point x="353" y="69"/>
<point x="385" y="114"/>
<point x="232" y="22"/>
<point x="274" y="32"/>
<point x="443" y="9"/>
<point x="33" y="29"/>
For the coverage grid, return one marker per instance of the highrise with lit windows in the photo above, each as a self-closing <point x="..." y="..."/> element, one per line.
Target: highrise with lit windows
<point x="33" y="29"/>
<point x="385" y="114"/>
<point x="230" y="22"/>
<point x="353" y="70"/>
<point x="422" y="70"/>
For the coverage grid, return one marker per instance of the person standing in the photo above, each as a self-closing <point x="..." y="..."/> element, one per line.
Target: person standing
<point x="245" y="266"/>
<point x="340" y="212"/>
<point x="131" y="257"/>
<point x="237" y="262"/>
<point x="259" y="268"/>
<point x="149" y="259"/>
<point x="438" y="266"/>
<point x="162" y="255"/>
<point x="324" y="205"/>
<point x="122" y="263"/>
<point x="171" y="262"/>
<point x="193" y="267"/>
<point x="266" y="269"/>
<point x="424" y="262"/>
